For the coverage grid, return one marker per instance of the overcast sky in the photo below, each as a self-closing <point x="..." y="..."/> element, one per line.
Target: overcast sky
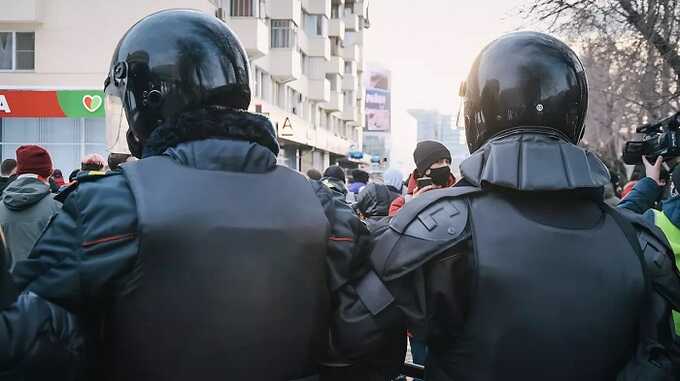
<point x="429" y="46"/>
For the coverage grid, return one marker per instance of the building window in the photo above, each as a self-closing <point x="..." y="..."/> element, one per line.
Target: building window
<point x="245" y="8"/>
<point x="283" y="34"/>
<point x="321" y="26"/>
<point x="266" y="84"/>
<point x="332" y="79"/>
<point x="348" y="101"/>
<point x="349" y="7"/>
<point x="348" y="67"/>
<point x="292" y="101"/>
<point x="314" y="25"/>
<point x="275" y="93"/>
<point x="304" y="63"/>
<point x="336" y="46"/>
<point x="335" y="11"/>
<point x="17" y="50"/>
<point x="66" y="139"/>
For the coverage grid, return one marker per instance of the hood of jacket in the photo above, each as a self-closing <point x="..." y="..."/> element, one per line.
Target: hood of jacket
<point x="223" y="155"/>
<point x="530" y="161"/>
<point x="24" y="192"/>
<point x="374" y="200"/>
<point x="334" y="184"/>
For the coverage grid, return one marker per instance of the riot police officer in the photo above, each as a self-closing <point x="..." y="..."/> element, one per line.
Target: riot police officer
<point x="204" y="260"/>
<point x="521" y="271"/>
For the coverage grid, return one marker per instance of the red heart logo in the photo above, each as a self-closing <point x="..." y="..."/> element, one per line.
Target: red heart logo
<point x="92" y="102"/>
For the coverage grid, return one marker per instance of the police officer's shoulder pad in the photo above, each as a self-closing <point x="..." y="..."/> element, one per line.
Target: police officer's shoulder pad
<point x="436" y="215"/>
<point x="424" y="228"/>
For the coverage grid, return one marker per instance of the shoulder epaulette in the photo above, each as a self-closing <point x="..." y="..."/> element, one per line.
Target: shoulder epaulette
<point x="82" y="177"/>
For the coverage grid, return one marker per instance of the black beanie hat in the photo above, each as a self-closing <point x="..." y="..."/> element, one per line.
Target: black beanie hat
<point x="360" y="176"/>
<point x="429" y="152"/>
<point x="335" y="172"/>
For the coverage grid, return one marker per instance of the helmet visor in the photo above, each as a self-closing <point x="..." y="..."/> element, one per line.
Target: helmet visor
<point x="116" y="121"/>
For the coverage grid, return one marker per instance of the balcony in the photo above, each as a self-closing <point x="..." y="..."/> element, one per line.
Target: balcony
<point x="317" y="7"/>
<point x="285" y="10"/>
<point x="253" y="33"/>
<point x="350" y="113"/>
<point x="336" y="28"/>
<point x="19" y="11"/>
<point x="335" y="66"/>
<point x="350" y="82"/>
<point x="351" y="53"/>
<point x="319" y="47"/>
<point x="336" y="103"/>
<point x="285" y="65"/>
<point x="354" y="38"/>
<point x="319" y="90"/>
<point x="351" y="22"/>
<point x="360" y="8"/>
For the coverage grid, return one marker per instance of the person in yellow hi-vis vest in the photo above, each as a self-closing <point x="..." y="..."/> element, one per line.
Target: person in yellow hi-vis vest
<point x="642" y="199"/>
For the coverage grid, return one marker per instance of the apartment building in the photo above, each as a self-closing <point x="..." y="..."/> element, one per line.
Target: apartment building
<point x="307" y="64"/>
<point x="306" y="59"/>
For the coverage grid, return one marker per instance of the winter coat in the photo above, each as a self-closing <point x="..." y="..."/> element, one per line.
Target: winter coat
<point x="95" y="239"/>
<point x="374" y="200"/>
<point x="27" y="206"/>
<point x="356" y="187"/>
<point x="5" y="181"/>
<point x="334" y="184"/>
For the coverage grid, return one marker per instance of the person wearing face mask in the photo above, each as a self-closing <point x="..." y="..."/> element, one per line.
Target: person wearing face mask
<point x="432" y="172"/>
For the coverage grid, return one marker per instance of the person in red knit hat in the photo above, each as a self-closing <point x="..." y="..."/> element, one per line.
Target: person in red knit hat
<point x="27" y="204"/>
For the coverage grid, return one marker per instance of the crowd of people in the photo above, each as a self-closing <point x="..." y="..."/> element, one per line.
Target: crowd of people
<point x="31" y="191"/>
<point x="205" y="260"/>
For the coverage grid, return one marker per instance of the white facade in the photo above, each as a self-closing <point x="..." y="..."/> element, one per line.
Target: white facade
<point x="297" y="52"/>
<point x="305" y="72"/>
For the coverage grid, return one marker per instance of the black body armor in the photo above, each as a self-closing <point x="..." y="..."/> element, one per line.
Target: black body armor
<point x="224" y="265"/>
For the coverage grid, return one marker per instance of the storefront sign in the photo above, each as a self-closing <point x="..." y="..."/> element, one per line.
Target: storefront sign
<point x="287" y="129"/>
<point x="52" y="104"/>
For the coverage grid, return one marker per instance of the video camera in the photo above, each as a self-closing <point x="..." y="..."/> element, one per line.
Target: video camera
<point x="661" y="138"/>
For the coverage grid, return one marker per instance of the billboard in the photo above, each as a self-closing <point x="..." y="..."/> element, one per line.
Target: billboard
<point x="378" y="102"/>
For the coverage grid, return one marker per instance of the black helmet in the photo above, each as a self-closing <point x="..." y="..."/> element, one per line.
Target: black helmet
<point x="169" y="63"/>
<point x="525" y="80"/>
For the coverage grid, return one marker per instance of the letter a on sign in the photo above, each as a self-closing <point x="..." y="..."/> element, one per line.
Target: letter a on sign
<point x="4" y="105"/>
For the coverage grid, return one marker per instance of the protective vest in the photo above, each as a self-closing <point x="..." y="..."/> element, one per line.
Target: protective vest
<point x="232" y="283"/>
<point x="547" y="302"/>
<point x="672" y="234"/>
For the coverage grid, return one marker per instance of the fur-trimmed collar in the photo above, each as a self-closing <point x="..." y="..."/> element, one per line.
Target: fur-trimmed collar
<point x="212" y="123"/>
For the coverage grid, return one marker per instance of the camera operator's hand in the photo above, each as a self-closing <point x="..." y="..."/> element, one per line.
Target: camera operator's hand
<point x="653" y="171"/>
